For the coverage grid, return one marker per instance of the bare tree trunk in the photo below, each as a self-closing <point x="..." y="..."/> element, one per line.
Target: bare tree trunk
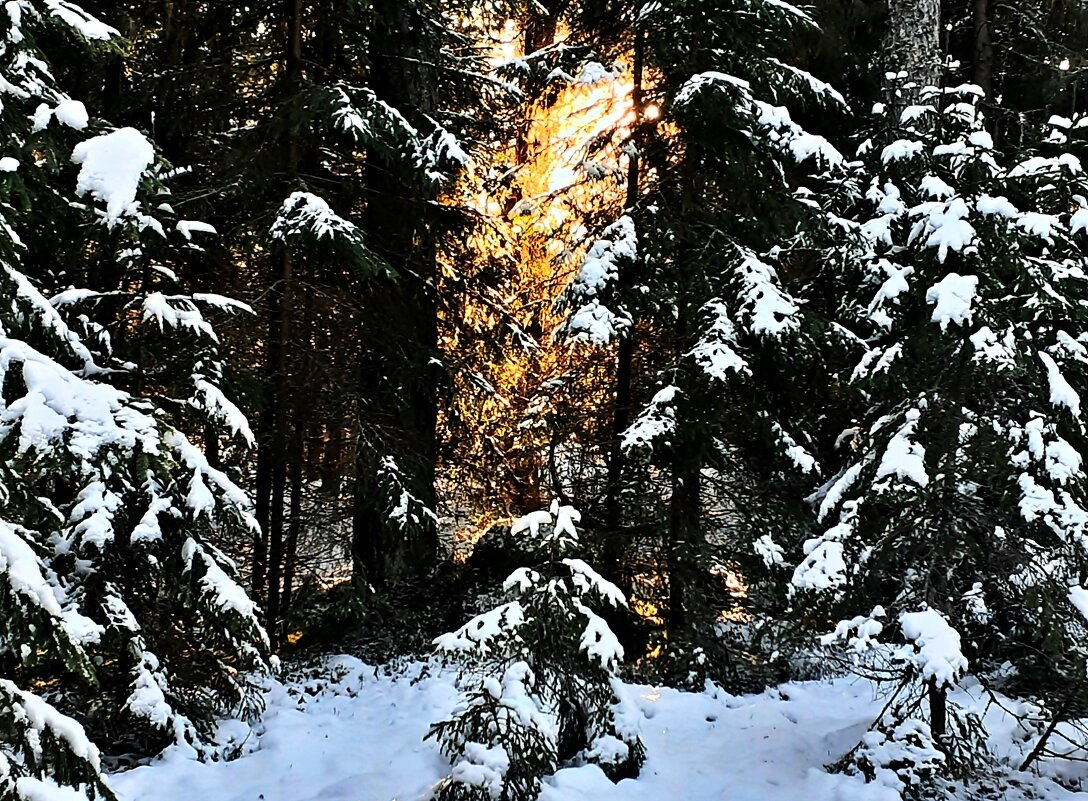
<point x="912" y="42"/>
<point x="398" y="376"/>
<point x="280" y="336"/>
<point x="621" y="411"/>
<point x="984" y="47"/>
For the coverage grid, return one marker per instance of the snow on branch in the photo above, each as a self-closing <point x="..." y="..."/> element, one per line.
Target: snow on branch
<point x="592" y="322"/>
<point x="657" y="420"/>
<point x="558" y="523"/>
<point x="904" y="458"/>
<point x="305" y="212"/>
<point x="111" y="167"/>
<point x="80" y="21"/>
<point x="1061" y="391"/>
<point x="715" y="352"/>
<point x="769" y="311"/>
<point x="937" y="653"/>
<point x="477" y="634"/>
<point x="373" y="123"/>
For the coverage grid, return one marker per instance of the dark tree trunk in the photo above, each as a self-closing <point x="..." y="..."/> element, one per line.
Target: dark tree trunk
<point x="538" y="31"/>
<point x="684" y="532"/>
<point x="279" y="335"/>
<point x="262" y="493"/>
<point x="398" y="378"/>
<point x="211" y="445"/>
<point x="621" y="411"/>
<point x="984" y="47"/>
<point x="275" y="548"/>
<point x="294" y="526"/>
<point x="938" y="710"/>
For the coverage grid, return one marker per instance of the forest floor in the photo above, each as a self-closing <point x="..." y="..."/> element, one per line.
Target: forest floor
<point x="356" y="734"/>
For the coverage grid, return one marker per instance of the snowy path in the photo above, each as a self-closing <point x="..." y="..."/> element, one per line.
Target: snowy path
<point x="360" y="739"/>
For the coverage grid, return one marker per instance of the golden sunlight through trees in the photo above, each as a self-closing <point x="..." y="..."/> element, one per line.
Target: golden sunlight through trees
<point x="542" y="199"/>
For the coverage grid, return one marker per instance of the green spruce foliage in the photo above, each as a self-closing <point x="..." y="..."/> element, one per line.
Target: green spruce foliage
<point x="953" y="531"/>
<point x="541" y="673"/>
<point x="114" y="600"/>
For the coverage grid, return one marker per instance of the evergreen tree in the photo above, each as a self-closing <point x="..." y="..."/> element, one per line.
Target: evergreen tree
<point x="543" y="665"/>
<point x="701" y="261"/>
<point x="112" y="592"/>
<point x="955" y="524"/>
<point x="325" y="137"/>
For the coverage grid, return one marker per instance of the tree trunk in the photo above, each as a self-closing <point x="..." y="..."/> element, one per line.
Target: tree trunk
<point x="621" y="411"/>
<point x="538" y="32"/>
<point x="294" y="526"/>
<point x="275" y="548"/>
<point x="912" y="42"/>
<point x="680" y="550"/>
<point x="281" y="309"/>
<point x="398" y="384"/>
<point x="984" y="47"/>
<point x="262" y="488"/>
<point x="938" y="711"/>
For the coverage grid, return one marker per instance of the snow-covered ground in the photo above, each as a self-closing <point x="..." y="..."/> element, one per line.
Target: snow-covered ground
<point x="357" y="735"/>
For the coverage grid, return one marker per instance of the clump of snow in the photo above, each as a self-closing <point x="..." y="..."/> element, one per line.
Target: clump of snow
<point x="952" y="297"/>
<point x="111" y="168"/>
<point x="22" y="570"/>
<point x="598" y="641"/>
<point x="559" y="523"/>
<point x="593" y="72"/>
<point x="1061" y="391"/>
<point x="187" y="227"/>
<point x="824" y="565"/>
<point x="72" y="113"/>
<point x="482" y="767"/>
<point x="224" y="591"/>
<point x="904" y="458"/>
<point x="1078" y="596"/>
<point x="949" y="229"/>
<point x="900" y="150"/>
<point x="587" y="580"/>
<point x="938" y="655"/>
<point x="592" y="322"/>
<point x="715" y="350"/>
<point x="477" y="634"/>
<point x="305" y="211"/>
<point x="657" y="420"/>
<point x="934" y="187"/>
<point x="710" y="80"/>
<point x="769" y="551"/>
<point x="996" y="206"/>
<point x="80" y="21"/>
<point x="771" y="312"/>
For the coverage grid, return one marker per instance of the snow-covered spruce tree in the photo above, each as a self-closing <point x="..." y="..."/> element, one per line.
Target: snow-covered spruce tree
<point x="956" y="525"/>
<point x="112" y="597"/>
<point x="542" y="671"/>
<point x="699" y="270"/>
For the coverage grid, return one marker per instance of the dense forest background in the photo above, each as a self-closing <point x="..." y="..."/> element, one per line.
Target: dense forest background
<point x="420" y="353"/>
<point x="311" y="308"/>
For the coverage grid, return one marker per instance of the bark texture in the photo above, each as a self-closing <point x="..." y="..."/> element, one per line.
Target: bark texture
<point x="912" y="42"/>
